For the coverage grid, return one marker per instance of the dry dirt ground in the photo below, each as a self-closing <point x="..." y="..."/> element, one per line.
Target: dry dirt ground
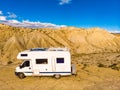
<point x="89" y="77"/>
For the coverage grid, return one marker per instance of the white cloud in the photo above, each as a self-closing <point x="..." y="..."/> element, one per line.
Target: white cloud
<point x="29" y="24"/>
<point x="112" y="29"/>
<point x="1" y="12"/>
<point x="13" y="21"/>
<point x="2" y="18"/>
<point x="116" y="31"/>
<point x="9" y="20"/>
<point x="11" y="15"/>
<point x="64" y="2"/>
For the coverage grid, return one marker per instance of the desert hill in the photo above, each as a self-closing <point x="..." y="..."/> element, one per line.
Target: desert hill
<point x="95" y="52"/>
<point x="79" y="40"/>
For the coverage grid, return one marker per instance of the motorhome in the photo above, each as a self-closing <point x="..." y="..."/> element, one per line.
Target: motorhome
<point x="45" y="62"/>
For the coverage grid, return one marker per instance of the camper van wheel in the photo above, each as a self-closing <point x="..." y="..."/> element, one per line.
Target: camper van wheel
<point x="21" y="75"/>
<point x="57" y="76"/>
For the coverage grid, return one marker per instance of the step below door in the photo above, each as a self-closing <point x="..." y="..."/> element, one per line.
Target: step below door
<point x="36" y="72"/>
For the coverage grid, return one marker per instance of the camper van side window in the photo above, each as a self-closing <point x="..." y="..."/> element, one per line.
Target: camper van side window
<point x="41" y="61"/>
<point x="60" y="60"/>
<point x="23" y="54"/>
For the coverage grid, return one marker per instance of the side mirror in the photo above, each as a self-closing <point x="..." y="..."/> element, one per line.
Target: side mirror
<point x="20" y="66"/>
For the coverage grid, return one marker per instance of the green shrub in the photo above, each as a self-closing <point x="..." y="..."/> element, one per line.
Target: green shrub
<point x="114" y="66"/>
<point x="101" y="65"/>
<point x="9" y="62"/>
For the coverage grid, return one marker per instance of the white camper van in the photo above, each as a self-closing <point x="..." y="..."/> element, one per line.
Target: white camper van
<point x="45" y="62"/>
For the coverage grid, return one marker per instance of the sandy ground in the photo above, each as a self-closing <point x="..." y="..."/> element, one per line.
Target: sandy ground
<point x="88" y="78"/>
<point x="89" y="75"/>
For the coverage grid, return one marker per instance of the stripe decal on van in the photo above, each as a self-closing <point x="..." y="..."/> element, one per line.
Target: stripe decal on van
<point x="27" y="72"/>
<point x="54" y="72"/>
<point x="49" y="72"/>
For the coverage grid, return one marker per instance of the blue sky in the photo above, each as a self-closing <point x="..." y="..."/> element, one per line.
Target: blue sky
<point x="78" y="13"/>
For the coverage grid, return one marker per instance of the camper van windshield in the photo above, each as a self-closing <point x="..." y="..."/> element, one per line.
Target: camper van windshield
<point x="25" y="64"/>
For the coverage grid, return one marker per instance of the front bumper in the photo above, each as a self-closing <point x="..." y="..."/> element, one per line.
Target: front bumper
<point x="16" y="73"/>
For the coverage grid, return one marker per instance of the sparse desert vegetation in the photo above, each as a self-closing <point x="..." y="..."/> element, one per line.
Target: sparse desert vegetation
<point x="95" y="52"/>
<point x="88" y="78"/>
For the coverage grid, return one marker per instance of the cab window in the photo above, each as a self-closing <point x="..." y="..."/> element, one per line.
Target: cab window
<point x="26" y="64"/>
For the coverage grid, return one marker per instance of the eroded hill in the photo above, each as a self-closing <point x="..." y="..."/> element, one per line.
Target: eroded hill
<point x="79" y="40"/>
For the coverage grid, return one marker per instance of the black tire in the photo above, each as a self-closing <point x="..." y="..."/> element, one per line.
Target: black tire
<point x="21" y="75"/>
<point x="57" y="76"/>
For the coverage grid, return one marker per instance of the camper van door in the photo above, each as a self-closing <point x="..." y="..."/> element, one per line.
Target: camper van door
<point x="26" y="67"/>
<point x="59" y="64"/>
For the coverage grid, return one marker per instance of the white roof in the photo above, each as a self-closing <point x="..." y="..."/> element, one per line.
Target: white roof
<point x="47" y="49"/>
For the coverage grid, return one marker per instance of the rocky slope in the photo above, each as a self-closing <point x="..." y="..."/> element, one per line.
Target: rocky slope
<point x="79" y="40"/>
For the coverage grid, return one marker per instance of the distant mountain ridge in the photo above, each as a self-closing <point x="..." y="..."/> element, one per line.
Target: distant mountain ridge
<point x="79" y="40"/>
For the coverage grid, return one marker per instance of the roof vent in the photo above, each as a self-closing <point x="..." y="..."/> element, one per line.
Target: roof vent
<point x="38" y="49"/>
